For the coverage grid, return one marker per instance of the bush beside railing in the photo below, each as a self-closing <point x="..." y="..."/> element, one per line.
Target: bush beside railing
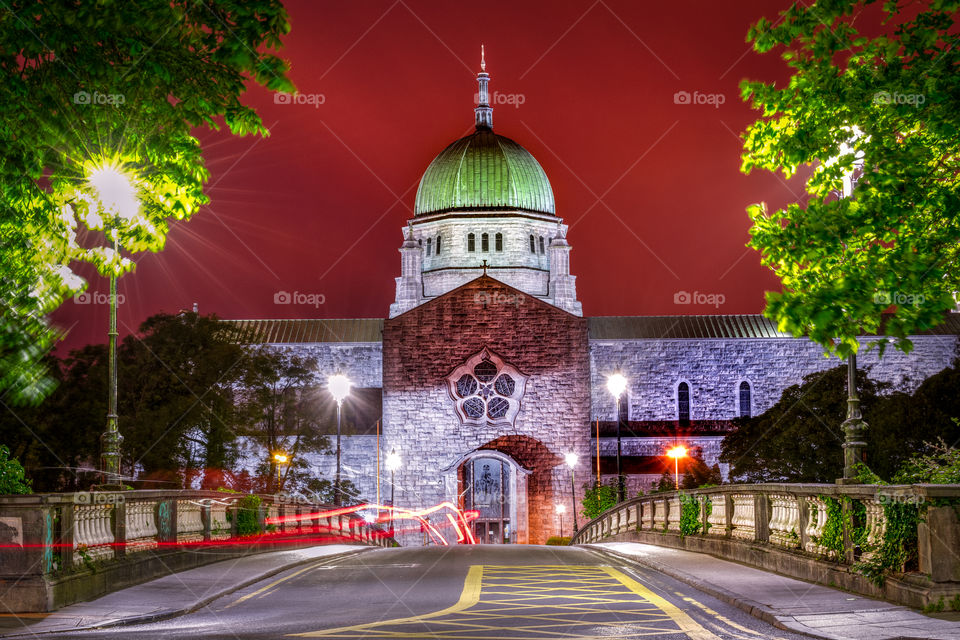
<point x="875" y="531"/>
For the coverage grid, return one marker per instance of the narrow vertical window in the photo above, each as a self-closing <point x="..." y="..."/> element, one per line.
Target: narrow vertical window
<point x="744" y="399"/>
<point x="533" y="244"/>
<point x="429" y="245"/>
<point x="683" y="403"/>
<point x="484" y="242"/>
<point x="471" y="242"/>
<point x="438" y="245"/>
<point x="498" y="241"/>
<point x="541" y="245"/>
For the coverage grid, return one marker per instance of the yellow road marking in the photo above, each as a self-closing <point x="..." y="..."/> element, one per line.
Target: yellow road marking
<point x="687" y="624"/>
<point x="545" y="601"/>
<point x="469" y="597"/>
<point x="727" y="621"/>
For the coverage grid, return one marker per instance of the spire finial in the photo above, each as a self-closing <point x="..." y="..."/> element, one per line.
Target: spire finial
<point x="483" y="112"/>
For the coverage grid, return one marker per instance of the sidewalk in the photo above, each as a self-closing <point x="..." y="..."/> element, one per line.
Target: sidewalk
<point x="789" y="604"/>
<point x="170" y="595"/>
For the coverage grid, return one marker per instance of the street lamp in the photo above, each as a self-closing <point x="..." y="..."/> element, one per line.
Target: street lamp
<point x="571" y="460"/>
<point x="116" y="193"/>
<point x="854" y="427"/>
<point x="280" y="458"/>
<point x="393" y="463"/>
<point x="339" y="387"/>
<point x="617" y="384"/>
<point x="561" y="509"/>
<point x="676" y="453"/>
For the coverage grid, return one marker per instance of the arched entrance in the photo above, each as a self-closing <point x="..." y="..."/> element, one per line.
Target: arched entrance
<point x="486" y="489"/>
<point x="494" y="485"/>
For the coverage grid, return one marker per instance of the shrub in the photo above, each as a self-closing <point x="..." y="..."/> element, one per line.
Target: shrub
<point x="558" y="541"/>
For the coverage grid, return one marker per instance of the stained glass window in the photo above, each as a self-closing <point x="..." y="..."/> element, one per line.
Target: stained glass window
<point x="744" y="399"/>
<point x="484" y="242"/>
<point x="683" y="403"/>
<point x="473" y="407"/>
<point x="505" y="385"/>
<point x="429" y="245"/>
<point x="471" y="242"/>
<point x="497" y="407"/>
<point x="533" y="245"/>
<point x="466" y="385"/>
<point x="485" y="371"/>
<point x="498" y="241"/>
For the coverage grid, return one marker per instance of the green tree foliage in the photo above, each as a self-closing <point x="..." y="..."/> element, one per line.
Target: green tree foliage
<point x="13" y="479"/>
<point x="597" y="498"/>
<point x="843" y="262"/>
<point x="119" y="83"/>
<point x="799" y="438"/>
<point x="939" y="464"/>
<point x="698" y="474"/>
<point x="283" y="403"/>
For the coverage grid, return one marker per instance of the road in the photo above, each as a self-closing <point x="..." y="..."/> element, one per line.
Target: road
<point x="461" y="592"/>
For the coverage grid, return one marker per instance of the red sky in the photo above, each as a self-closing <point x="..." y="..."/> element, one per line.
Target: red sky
<point x="651" y="189"/>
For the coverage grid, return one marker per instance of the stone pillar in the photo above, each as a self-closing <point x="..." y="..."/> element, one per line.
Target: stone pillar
<point x="563" y="289"/>
<point x="410" y="282"/>
<point x="938" y="538"/>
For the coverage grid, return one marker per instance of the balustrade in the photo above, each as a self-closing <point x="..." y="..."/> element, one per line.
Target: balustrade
<point x="744" y="517"/>
<point x="784" y="521"/>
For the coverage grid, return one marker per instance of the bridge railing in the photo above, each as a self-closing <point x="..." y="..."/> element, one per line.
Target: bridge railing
<point x="821" y="532"/>
<point x="60" y="548"/>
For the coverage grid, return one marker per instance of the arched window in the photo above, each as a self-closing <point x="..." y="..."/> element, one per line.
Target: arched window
<point x="744" y="399"/>
<point x="438" y="245"/>
<point x="484" y="242"/>
<point x="471" y="242"/>
<point x="541" y="245"/>
<point x="533" y="244"/>
<point x="498" y="241"/>
<point x="429" y="245"/>
<point x="683" y="403"/>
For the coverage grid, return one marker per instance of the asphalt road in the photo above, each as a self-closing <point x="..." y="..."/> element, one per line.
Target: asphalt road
<point x="461" y="592"/>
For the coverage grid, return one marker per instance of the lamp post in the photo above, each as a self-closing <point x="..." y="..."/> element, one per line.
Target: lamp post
<point x="281" y="459"/>
<point x="676" y="453"/>
<point x="116" y="194"/>
<point x="617" y="384"/>
<point x="339" y="387"/>
<point x="393" y="463"/>
<point x="561" y="509"/>
<point x="571" y="460"/>
<point x="854" y="427"/>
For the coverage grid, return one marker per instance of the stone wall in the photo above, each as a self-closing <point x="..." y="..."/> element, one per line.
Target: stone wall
<point x="714" y="369"/>
<point x="362" y="362"/>
<point x="423" y="346"/>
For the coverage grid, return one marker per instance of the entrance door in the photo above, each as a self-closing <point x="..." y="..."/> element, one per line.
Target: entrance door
<point x="487" y="482"/>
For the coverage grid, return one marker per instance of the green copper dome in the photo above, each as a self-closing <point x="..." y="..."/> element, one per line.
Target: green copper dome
<point x="484" y="171"/>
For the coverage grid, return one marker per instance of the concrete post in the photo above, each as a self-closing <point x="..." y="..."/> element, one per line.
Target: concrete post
<point x="761" y="517"/>
<point x="938" y="539"/>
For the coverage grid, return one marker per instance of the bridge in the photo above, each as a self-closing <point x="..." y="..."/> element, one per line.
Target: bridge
<point x="737" y="561"/>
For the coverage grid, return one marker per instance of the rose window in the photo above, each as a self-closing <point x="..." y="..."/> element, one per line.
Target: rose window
<point x="487" y="390"/>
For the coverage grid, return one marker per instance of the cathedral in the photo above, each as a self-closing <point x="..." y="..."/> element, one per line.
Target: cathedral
<point x="488" y="375"/>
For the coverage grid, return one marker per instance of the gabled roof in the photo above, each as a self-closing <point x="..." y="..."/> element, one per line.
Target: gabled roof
<point x="310" y="330"/>
<point x="720" y="326"/>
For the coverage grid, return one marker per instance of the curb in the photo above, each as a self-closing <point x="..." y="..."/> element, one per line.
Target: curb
<point x="166" y="614"/>
<point x="752" y="607"/>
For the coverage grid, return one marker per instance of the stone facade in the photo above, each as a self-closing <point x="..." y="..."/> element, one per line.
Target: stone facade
<point x="419" y="416"/>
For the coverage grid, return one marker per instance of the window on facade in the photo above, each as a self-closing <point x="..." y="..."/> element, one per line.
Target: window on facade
<point x="471" y="242"/>
<point x="744" y="399"/>
<point x="683" y="403"/>
<point x="533" y="244"/>
<point x="541" y="245"/>
<point x="486" y="390"/>
<point x="429" y="245"/>
<point x="498" y="241"/>
<point x="484" y="242"/>
<point x="438" y="245"/>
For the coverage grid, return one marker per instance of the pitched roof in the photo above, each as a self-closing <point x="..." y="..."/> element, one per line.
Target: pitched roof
<point x="309" y="330"/>
<point x="719" y="326"/>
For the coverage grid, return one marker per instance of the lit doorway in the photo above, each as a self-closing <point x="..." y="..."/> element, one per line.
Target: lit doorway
<point x="487" y="490"/>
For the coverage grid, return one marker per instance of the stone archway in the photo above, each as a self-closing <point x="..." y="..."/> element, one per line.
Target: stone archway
<point x="494" y="484"/>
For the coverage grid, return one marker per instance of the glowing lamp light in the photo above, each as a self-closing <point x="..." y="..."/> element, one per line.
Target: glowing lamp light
<point x="115" y="190"/>
<point x="561" y="508"/>
<point x="281" y="458"/>
<point x="393" y="461"/>
<point x="571" y="459"/>
<point x="339" y="386"/>
<point x="616" y="384"/>
<point x="677" y="452"/>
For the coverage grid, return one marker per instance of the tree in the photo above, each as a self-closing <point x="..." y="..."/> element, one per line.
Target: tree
<point x="698" y="474"/>
<point x="283" y="406"/>
<point x="110" y="84"/>
<point x="798" y="439"/>
<point x="13" y="478"/>
<point x="843" y="262"/>
<point x="597" y="498"/>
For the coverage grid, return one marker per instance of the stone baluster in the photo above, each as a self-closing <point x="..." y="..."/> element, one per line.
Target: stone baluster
<point x="673" y="514"/>
<point x="718" y="515"/>
<point x="816" y="521"/>
<point x="784" y="521"/>
<point x="744" y="524"/>
<point x="875" y="526"/>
